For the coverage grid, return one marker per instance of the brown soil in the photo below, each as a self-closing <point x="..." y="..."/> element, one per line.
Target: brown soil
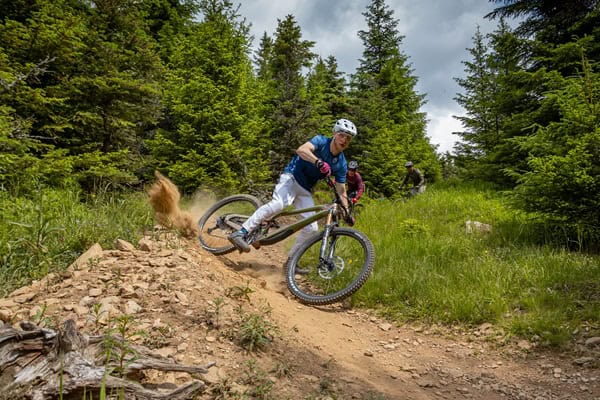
<point x="194" y="307"/>
<point x="316" y="353"/>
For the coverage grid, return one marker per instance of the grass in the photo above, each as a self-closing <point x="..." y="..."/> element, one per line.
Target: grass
<point x="47" y="232"/>
<point x="256" y="330"/>
<point x="428" y="268"/>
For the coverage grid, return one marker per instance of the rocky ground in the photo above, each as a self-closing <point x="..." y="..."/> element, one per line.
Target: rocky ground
<point x="194" y="308"/>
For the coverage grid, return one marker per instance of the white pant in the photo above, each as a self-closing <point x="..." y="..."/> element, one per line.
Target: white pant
<point x="287" y="192"/>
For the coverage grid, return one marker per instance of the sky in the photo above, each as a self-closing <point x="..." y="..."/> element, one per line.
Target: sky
<point x="436" y="34"/>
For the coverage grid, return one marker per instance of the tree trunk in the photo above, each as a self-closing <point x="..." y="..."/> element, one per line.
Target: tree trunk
<point x="39" y="364"/>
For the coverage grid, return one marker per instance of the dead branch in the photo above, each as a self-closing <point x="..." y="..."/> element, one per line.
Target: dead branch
<point x="35" y="71"/>
<point x="38" y="363"/>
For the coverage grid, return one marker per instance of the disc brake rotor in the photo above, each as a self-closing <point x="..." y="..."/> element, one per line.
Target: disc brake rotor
<point x="337" y="266"/>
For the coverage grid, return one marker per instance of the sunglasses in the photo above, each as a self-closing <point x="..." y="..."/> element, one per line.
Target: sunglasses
<point x="345" y="135"/>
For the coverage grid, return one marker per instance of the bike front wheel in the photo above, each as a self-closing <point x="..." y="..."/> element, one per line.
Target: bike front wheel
<point x="223" y="218"/>
<point x="348" y="262"/>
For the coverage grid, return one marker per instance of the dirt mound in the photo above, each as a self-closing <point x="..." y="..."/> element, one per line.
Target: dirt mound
<point x="196" y="308"/>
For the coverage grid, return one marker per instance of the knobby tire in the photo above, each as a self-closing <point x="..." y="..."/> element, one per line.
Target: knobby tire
<point x="315" y="292"/>
<point x="247" y="205"/>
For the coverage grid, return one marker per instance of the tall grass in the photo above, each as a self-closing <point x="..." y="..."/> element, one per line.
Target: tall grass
<point x="429" y="268"/>
<point x="48" y="231"/>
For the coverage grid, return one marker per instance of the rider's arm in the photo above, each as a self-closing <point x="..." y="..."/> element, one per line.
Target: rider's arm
<point x="404" y="181"/>
<point x="361" y="186"/>
<point x="421" y="179"/>
<point x="341" y="189"/>
<point x="307" y="152"/>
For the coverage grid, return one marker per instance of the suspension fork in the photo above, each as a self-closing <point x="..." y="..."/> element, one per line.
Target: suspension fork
<point x="325" y="256"/>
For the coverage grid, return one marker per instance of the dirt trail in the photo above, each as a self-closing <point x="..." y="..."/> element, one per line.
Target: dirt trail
<point x="191" y="304"/>
<point x="415" y="362"/>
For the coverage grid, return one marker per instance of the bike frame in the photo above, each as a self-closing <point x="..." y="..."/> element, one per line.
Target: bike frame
<point x="260" y="237"/>
<point x="329" y="210"/>
<point x="323" y="256"/>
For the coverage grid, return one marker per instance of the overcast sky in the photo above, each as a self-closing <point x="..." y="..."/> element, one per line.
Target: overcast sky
<point x="436" y="36"/>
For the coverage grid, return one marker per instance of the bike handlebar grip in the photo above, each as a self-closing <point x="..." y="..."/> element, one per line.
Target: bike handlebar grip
<point x="323" y="167"/>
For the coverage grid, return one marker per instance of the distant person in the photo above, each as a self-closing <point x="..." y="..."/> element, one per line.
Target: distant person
<point x="414" y="176"/>
<point x="314" y="160"/>
<point x="355" y="185"/>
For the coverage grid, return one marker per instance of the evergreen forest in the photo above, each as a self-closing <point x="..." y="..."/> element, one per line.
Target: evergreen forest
<point x="95" y="95"/>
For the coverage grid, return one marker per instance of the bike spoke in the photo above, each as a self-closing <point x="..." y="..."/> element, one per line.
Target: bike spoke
<point x="222" y="219"/>
<point x="342" y="267"/>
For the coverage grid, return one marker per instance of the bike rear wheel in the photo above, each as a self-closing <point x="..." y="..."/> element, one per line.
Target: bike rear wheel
<point x="223" y="218"/>
<point x="350" y="257"/>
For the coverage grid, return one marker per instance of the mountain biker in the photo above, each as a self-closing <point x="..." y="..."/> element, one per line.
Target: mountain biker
<point x="416" y="177"/>
<point x="356" y="187"/>
<point x="316" y="159"/>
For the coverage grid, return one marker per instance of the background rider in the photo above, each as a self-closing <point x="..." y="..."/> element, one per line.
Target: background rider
<point x="416" y="177"/>
<point x="354" y="181"/>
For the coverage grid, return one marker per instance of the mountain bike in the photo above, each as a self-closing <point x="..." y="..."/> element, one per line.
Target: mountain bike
<point x="355" y="208"/>
<point x="403" y="196"/>
<point x="328" y="267"/>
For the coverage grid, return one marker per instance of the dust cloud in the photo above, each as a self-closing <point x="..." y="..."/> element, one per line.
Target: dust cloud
<point x="165" y="198"/>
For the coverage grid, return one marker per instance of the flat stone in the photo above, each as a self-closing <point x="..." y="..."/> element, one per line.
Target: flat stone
<point x="93" y="252"/>
<point x="124" y="245"/>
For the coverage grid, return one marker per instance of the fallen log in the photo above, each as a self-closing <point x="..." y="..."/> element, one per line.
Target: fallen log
<point x="39" y="363"/>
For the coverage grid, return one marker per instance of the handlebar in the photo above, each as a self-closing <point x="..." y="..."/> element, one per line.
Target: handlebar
<point x="338" y="198"/>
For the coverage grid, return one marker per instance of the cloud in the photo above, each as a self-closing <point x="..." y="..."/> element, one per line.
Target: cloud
<point x="436" y="36"/>
<point x="441" y="126"/>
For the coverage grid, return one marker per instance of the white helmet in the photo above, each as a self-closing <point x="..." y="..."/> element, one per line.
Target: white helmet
<point x="346" y="126"/>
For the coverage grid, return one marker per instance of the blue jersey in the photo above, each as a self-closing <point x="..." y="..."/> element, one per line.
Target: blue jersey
<point x="307" y="174"/>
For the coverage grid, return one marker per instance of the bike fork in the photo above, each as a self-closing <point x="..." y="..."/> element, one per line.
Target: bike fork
<point x="327" y="248"/>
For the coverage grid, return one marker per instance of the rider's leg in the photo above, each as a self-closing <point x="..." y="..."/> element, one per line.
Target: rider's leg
<point x="303" y="200"/>
<point x="283" y="196"/>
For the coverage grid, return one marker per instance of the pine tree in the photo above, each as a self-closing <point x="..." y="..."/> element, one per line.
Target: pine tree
<point x="381" y="41"/>
<point x="483" y="119"/>
<point x="546" y="151"/>
<point x="99" y="93"/>
<point x="213" y="138"/>
<point x="498" y="101"/>
<point x="551" y="21"/>
<point x="291" y="124"/>
<point x="263" y="56"/>
<point x="327" y="93"/>
<point x="166" y="19"/>
<point x="562" y="183"/>
<point x="387" y="107"/>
